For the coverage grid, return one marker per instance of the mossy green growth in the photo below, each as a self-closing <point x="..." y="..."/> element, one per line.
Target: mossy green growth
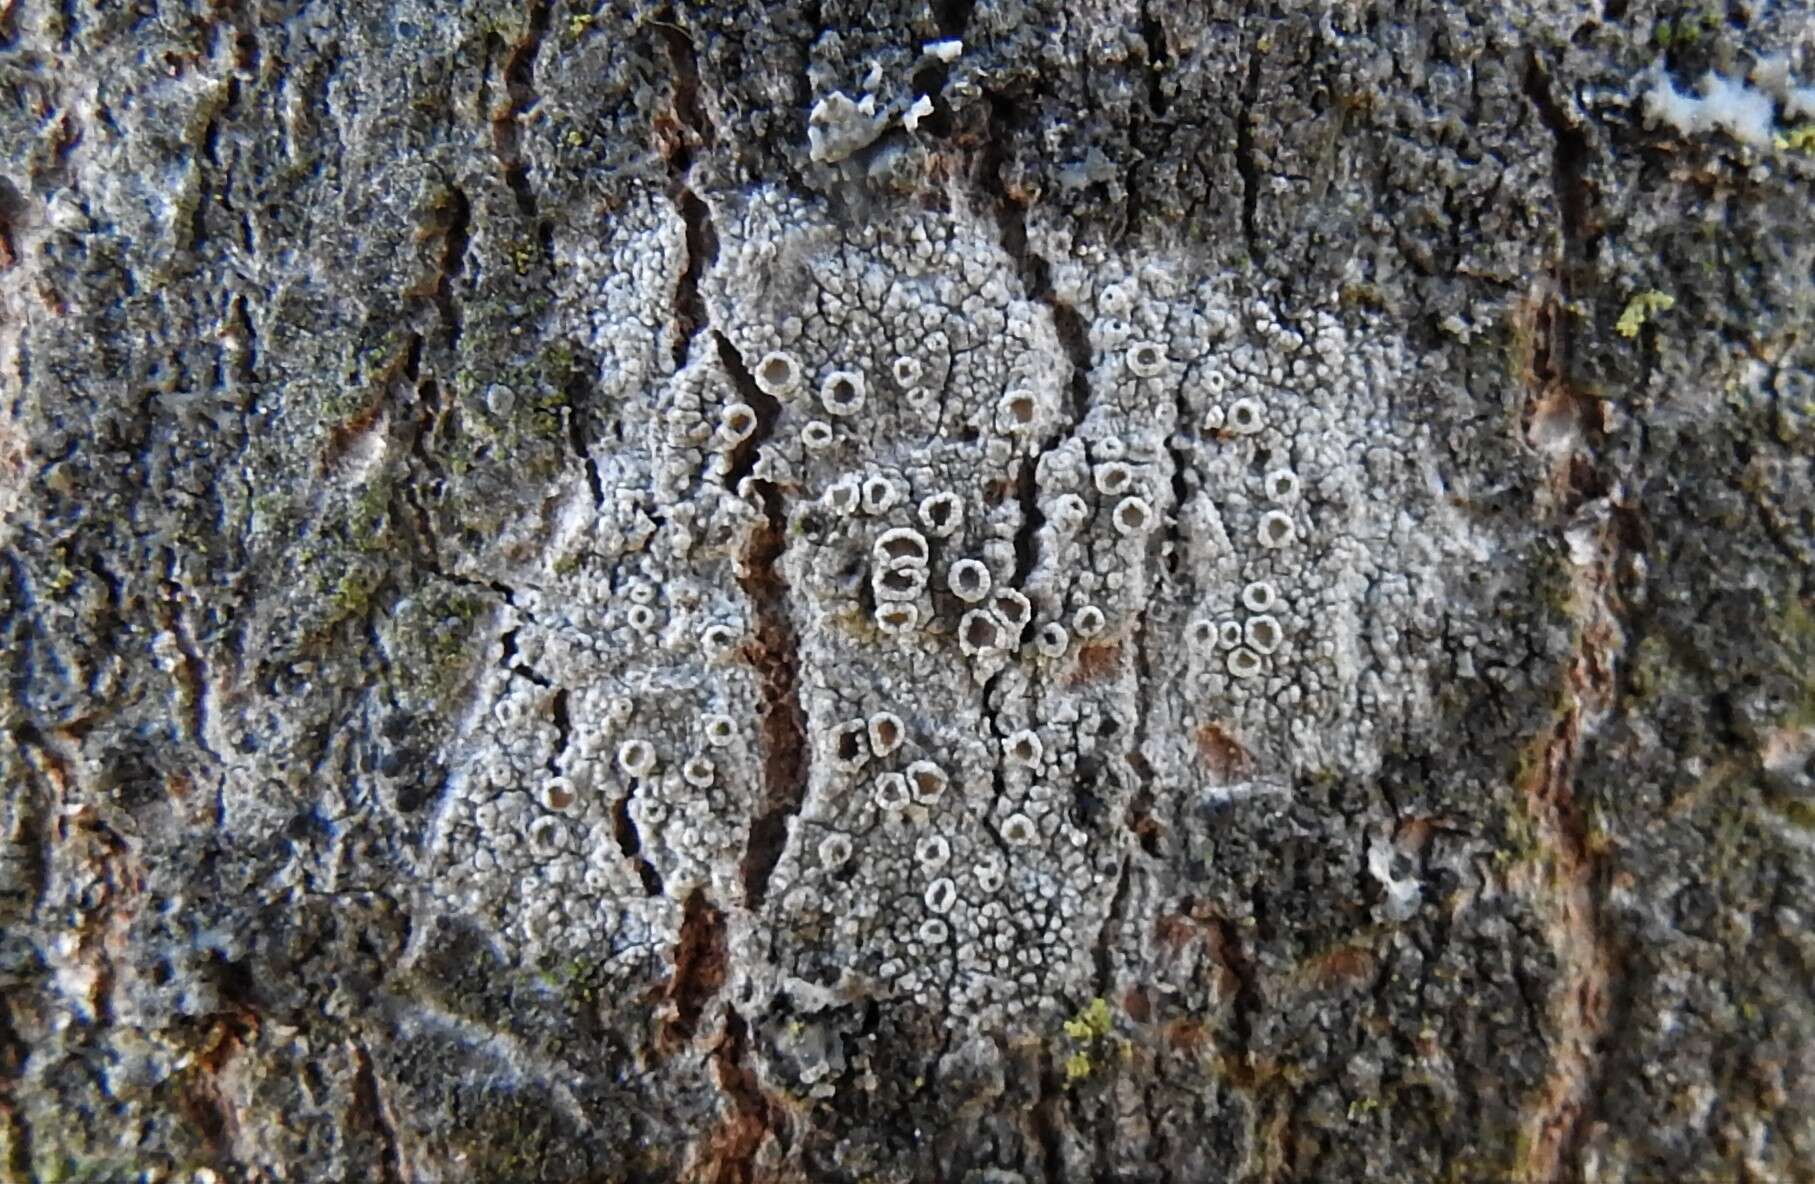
<point x="1797" y="139"/>
<point x="375" y="359"/>
<point x="1086" y="1031"/>
<point x="1091" y="1021"/>
<point x="1796" y="639"/>
<point x="1641" y="308"/>
<point x="1686" y="30"/>
<point x="352" y="594"/>
<point x="1794" y="811"/>
<point x="434" y="631"/>
<point x="558" y="975"/>
<point x="59" y="1168"/>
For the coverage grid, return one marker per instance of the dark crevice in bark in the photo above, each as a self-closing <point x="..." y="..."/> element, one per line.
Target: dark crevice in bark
<point x="209" y="1114"/>
<point x="630" y="843"/>
<point x="1153" y="37"/>
<point x="931" y="76"/>
<point x="680" y="135"/>
<point x="198" y="224"/>
<point x="192" y="670"/>
<point x="766" y="406"/>
<point x="1245" y="163"/>
<point x="1569" y="180"/>
<point x="1034" y="269"/>
<point x="504" y="591"/>
<point x="701" y="966"/>
<point x="245" y="368"/>
<point x="1074" y="338"/>
<point x="702" y="248"/>
<point x="1571" y="894"/>
<point x="13" y="210"/>
<point x="1139" y="819"/>
<point x="420" y="522"/>
<point x="457" y="215"/>
<point x="245" y="46"/>
<point x="1171" y="544"/>
<point x="1574" y="889"/>
<point x="1042" y="1116"/>
<point x="930" y="80"/>
<point x="1027" y="532"/>
<point x="211" y="146"/>
<point x="557" y="709"/>
<point x="507" y="130"/>
<point x="371" y="1110"/>
<point x="683" y="60"/>
<point x="508" y="661"/>
<point x="579" y="393"/>
<point x="953" y="16"/>
<point x="1110" y="931"/>
<point x="774" y="651"/>
<point x="13" y="1054"/>
<point x="1226" y="947"/>
<point x="730" y="1154"/>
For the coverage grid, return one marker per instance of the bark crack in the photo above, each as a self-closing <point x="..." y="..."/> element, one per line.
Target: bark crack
<point x="767" y="408"/>
<point x="1566" y="885"/>
<point x="729" y="1156"/>
<point x="192" y="668"/>
<point x="953" y="16"/>
<point x="702" y="246"/>
<point x="1153" y="39"/>
<point x="701" y="966"/>
<point x="558" y="710"/>
<point x="13" y="1054"/>
<point x="681" y="133"/>
<point x="451" y="217"/>
<point x="1569" y="164"/>
<point x="372" y="1105"/>
<point x="1042" y="1116"/>
<point x="1035" y="272"/>
<point x="1027" y="532"/>
<point x="507" y="123"/>
<point x="630" y="843"/>
<point x="1112" y="923"/>
<point x="1246" y="166"/>
<point x="1035" y="269"/>
<point x="775" y="653"/>
<point x="1567" y="882"/>
<point x="774" y="648"/>
<point x="579" y="393"/>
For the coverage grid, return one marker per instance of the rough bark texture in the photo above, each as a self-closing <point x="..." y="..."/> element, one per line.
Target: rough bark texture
<point x="1016" y="591"/>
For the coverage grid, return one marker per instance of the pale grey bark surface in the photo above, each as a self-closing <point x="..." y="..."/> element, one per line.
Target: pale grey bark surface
<point x="1012" y="591"/>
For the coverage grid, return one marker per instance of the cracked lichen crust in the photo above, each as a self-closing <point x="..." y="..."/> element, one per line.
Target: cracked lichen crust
<point x="1323" y="508"/>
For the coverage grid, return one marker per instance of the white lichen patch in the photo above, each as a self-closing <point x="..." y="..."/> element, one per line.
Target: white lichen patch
<point x="1016" y="593"/>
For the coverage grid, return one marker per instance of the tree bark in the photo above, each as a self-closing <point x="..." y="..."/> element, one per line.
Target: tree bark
<point x="1015" y="591"/>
